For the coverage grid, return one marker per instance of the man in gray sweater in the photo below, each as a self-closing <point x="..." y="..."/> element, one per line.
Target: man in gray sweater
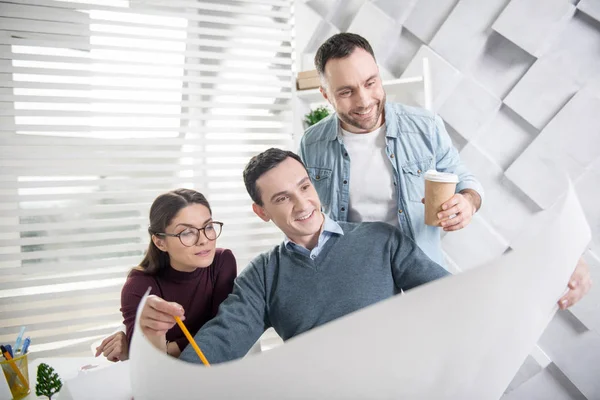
<point x="323" y="269"/>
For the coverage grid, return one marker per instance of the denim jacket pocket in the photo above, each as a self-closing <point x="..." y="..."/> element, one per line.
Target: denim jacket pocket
<point x="321" y="179"/>
<point x="414" y="180"/>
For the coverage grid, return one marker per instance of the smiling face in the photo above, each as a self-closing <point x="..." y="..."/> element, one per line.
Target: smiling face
<point x="353" y="87"/>
<point x="291" y="202"/>
<point x="184" y="258"/>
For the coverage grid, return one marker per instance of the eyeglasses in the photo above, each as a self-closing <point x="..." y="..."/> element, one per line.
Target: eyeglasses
<point x="191" y="235"/>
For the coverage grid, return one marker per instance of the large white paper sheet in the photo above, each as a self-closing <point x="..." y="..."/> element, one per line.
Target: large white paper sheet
<point x="463" y="337"/>
<point x="107" y="383"/>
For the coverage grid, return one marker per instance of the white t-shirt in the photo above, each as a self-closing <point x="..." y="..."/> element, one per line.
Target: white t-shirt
<point x="372" y="192"/>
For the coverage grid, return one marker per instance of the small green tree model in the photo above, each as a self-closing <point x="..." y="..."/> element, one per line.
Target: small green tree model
<point x="48" y="382"/>
<point x="316" y="115"/>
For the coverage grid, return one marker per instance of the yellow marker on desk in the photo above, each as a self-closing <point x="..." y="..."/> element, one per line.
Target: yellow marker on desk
<point x="192" y="341"/>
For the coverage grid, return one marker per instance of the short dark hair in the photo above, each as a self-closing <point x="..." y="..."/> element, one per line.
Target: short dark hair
<point x="340" y="45"/>
<point x="261" y="163"/>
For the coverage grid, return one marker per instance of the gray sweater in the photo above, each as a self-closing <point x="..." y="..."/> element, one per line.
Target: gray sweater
<point x="292" y="293"/>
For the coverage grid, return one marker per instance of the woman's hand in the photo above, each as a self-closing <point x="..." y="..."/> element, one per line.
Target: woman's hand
<point x="114" y="347"/>
<point x="157" y="318"/>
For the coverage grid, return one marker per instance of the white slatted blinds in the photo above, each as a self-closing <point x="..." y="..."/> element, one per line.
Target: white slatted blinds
<point x="104" y="104"/>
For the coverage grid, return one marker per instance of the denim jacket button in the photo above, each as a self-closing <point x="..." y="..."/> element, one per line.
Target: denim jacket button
<point x="392" y="155"/>
<point x="345" y="182"/>
<point x="343" y="209"/>
<point x="318" y="177"/>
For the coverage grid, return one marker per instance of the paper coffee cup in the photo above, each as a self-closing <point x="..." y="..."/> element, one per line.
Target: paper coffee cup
<point x="439" y="188"/>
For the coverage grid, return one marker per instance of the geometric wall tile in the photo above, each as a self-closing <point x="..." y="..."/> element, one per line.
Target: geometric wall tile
<point x="473" y="246"/>
<point x="554" y="78"/>
<point x="374" y="25"/>
<point x="344" y="13"/>
<point x="541" y="93"/>
<point x="463" y="34"/>
<point x="532" y="24"/>
<point x="500" y="65"/>
<point x="385" y="74"/>
<point x="568" y="65"/>
<point x="503" y="207"/>
<point x="568" y="143"/>
<point x="590" y="7"/>
<point x="458" y="141"/>
<point x="427" y="16"/>
<point x="543" y="385"/>
<point x="576" y="51"/>
<point x="398" y="10"/>
<point x="322" y="7"/>
<point x="310" y="22"/>
<point x="468" y="107"/>
<point x="570" y="62"/>
<point x="505" y="137"/>
<point x="444" y="76"/>
<point x="528" y="370"/>
<point x="575" y="351"/>
<point x="323" y="31"/>
<point x="402" y="52"/>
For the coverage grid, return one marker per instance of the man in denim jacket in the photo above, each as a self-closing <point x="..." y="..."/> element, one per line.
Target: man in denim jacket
<point x="390" y="145"/>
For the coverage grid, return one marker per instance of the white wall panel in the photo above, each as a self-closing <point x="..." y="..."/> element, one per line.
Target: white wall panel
<point x="533" y="24"/>
<point x="500" y="65"/>
<point x="505" y="137"/>
<point x="568" y="143"/>
<point x="427" y="16"/>
<point x="464" y="33"/>
<point x="469" y="107"/>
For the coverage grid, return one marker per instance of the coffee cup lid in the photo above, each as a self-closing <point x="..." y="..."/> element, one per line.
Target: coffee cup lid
<point x="444" y="177"/>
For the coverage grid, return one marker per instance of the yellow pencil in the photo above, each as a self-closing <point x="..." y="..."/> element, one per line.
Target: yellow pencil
<point x="192" y="341"/>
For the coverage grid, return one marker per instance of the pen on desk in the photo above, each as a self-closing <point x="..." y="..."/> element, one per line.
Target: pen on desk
<point x="26" y="344"/>
<point x="192" y="341"/>
<point x="13" y="365"/>
<point x="19" y="338"/>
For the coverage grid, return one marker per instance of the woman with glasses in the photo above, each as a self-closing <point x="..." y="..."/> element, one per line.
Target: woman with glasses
<point x="182" y="265"/>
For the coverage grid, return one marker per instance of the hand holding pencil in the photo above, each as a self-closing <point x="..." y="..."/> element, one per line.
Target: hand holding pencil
<point x="158" y="316"/>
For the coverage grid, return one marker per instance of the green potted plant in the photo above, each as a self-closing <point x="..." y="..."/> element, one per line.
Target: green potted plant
<point x="316" y="115"/>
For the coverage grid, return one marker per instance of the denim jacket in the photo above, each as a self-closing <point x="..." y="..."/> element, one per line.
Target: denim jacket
<point x="416" y="141"/>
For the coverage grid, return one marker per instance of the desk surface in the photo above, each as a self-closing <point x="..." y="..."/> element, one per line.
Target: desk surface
<point x="65" y="367"/>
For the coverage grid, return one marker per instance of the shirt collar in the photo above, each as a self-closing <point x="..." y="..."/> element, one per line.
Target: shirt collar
<point x="329" y="226"/>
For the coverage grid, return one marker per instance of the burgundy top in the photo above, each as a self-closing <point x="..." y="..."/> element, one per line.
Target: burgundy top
<point x="199" y="293"/>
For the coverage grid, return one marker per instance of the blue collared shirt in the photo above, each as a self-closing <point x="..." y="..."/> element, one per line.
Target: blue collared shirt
<point x="416" y="140"/>
<point x="330" y="228"/>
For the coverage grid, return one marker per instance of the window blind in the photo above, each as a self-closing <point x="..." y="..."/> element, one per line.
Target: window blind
<point x="105" y="104"/>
